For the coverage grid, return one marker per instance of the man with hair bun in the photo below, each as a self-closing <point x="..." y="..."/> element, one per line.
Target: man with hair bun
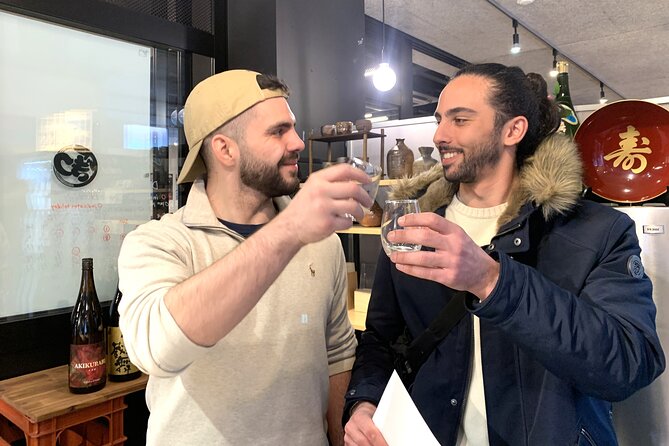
<point x="558" y="319"/>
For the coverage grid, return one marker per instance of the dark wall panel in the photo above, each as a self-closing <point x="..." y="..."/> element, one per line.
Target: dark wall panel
<point x="316" y="46"/>
<point x="34" y="344"/>
<point x="320" y="53"/>
<point x="251" y="35"/>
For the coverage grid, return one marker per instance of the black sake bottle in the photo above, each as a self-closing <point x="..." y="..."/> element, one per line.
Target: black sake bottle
<point x="119" y="367"/>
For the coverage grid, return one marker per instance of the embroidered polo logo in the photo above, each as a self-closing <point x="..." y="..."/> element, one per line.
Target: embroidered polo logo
<point x="312" y="270"/>
<point x="635" y="267"/>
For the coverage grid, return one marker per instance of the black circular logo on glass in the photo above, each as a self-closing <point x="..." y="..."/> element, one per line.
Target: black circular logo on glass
<point x="75" y="166"/>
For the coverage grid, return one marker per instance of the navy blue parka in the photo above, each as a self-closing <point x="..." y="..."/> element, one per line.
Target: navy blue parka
<point x="569" y="327"/>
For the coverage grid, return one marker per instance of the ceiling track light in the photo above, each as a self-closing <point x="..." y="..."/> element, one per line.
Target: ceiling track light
<point x="384" y="77"/>
<point x="602" y="96"/>
<point x="554" y="70"/>
<point x="515" y="46"/>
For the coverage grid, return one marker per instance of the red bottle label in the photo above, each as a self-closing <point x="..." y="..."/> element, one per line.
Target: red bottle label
<point x="88" y="365"/>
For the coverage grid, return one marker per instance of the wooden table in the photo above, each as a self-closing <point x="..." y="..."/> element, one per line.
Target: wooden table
<point x="41" y="406"/>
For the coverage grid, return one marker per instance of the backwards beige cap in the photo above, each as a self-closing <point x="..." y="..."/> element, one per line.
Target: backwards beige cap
<point x="212" y="103"/>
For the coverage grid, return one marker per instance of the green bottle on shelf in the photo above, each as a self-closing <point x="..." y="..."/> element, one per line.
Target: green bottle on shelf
<point x="568" y="120"/>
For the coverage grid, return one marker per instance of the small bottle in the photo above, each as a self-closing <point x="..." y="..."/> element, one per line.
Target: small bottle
<point x="119" y="367"/>
<point x="425" y="162"/>
<point x="88" y="358"/>
<point x="568" y="119"/>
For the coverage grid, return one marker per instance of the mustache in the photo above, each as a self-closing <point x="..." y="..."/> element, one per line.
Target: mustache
<point x="445" y="148"/>
<point x="290" y="158"/>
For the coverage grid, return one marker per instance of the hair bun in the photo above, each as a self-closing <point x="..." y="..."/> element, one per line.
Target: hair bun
<point x="550" y="115"/>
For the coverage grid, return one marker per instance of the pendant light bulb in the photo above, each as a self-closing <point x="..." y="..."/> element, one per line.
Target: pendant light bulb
<point x="384" y="77"/>
<point x="602" y="96"/>
<point x="515" y="47"/>
<point x="554" y="71"/>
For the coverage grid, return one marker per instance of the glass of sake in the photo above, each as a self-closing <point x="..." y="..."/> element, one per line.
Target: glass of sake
<point x="392" y="211"/>
<point x="374" y="172"/>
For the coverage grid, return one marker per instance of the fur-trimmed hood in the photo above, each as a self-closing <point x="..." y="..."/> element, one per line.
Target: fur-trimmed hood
<point x="551" y="179"/>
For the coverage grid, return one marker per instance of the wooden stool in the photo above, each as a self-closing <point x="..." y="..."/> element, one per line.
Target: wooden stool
<point x="40" y="406"/>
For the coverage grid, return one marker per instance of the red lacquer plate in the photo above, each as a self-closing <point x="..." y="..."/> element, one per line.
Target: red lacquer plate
<point x="625" y="150"/>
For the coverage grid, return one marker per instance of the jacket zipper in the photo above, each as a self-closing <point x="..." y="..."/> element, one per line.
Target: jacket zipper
<point x="587" y="436"/>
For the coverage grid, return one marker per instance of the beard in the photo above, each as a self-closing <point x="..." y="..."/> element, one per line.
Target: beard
<point x="266" y="178"/>
<point x="483" y="155"/>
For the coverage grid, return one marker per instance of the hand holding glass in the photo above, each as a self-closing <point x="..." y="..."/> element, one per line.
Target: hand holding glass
<point x="392" y="210"/>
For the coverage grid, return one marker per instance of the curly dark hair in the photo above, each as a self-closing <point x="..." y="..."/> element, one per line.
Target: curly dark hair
<point x="514" y="93"/>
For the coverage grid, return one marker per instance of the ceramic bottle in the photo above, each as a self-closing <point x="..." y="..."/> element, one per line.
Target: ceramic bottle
<point x="399" y="160"/>
<point x="425" y="162"/>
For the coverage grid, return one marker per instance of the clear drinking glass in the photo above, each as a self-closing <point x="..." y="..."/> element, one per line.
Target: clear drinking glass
<point x="392" y="210"/>
<point x="374" y="172"/>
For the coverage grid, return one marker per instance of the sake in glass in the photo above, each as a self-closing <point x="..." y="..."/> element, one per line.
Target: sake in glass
<point x="392" y="211"/>
<point x="373" y="171"/>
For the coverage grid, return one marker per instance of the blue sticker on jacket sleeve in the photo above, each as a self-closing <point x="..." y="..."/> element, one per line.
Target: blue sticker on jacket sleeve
<point x="635" y="267"/>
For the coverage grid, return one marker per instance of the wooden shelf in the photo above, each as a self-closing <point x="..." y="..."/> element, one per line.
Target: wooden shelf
<point x="348" y="137"/>
<point x="388" y="182"/>
<point x="364" y="136"/>
<point x="357" y="319"/>
<point x="361" y="230"/>
<point x="382" y="183"/>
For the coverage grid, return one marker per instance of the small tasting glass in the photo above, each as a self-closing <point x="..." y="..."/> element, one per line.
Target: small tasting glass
<point x="392" y="210"/>
<point x="374" y="172"/>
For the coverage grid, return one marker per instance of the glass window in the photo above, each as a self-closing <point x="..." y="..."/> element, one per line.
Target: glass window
<point x="91" y="135"/>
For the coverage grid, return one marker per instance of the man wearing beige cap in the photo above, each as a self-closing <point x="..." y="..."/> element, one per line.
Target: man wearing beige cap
<point x="235" y="305"/>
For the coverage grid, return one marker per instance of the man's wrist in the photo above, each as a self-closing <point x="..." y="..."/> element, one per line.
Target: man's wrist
<point x="355" y="406"/>
<point x="489" y="283"/>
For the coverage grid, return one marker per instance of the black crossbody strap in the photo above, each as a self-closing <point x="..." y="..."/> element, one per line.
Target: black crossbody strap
<point x="421" y="347"/>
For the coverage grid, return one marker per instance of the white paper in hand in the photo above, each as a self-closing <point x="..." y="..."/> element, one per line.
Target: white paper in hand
<point x="398" y="418"/>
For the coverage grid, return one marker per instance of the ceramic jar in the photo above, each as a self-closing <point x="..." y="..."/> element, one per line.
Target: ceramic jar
<point x="399" y="161"/>
<point x="328" y="130"/>
<point x="425" y="162"/>
<point x="363" y="125"/>
<point x="344" y="127"/>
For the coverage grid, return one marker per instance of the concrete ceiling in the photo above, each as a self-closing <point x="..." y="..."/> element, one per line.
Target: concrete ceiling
<point x="622" y="43"/>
